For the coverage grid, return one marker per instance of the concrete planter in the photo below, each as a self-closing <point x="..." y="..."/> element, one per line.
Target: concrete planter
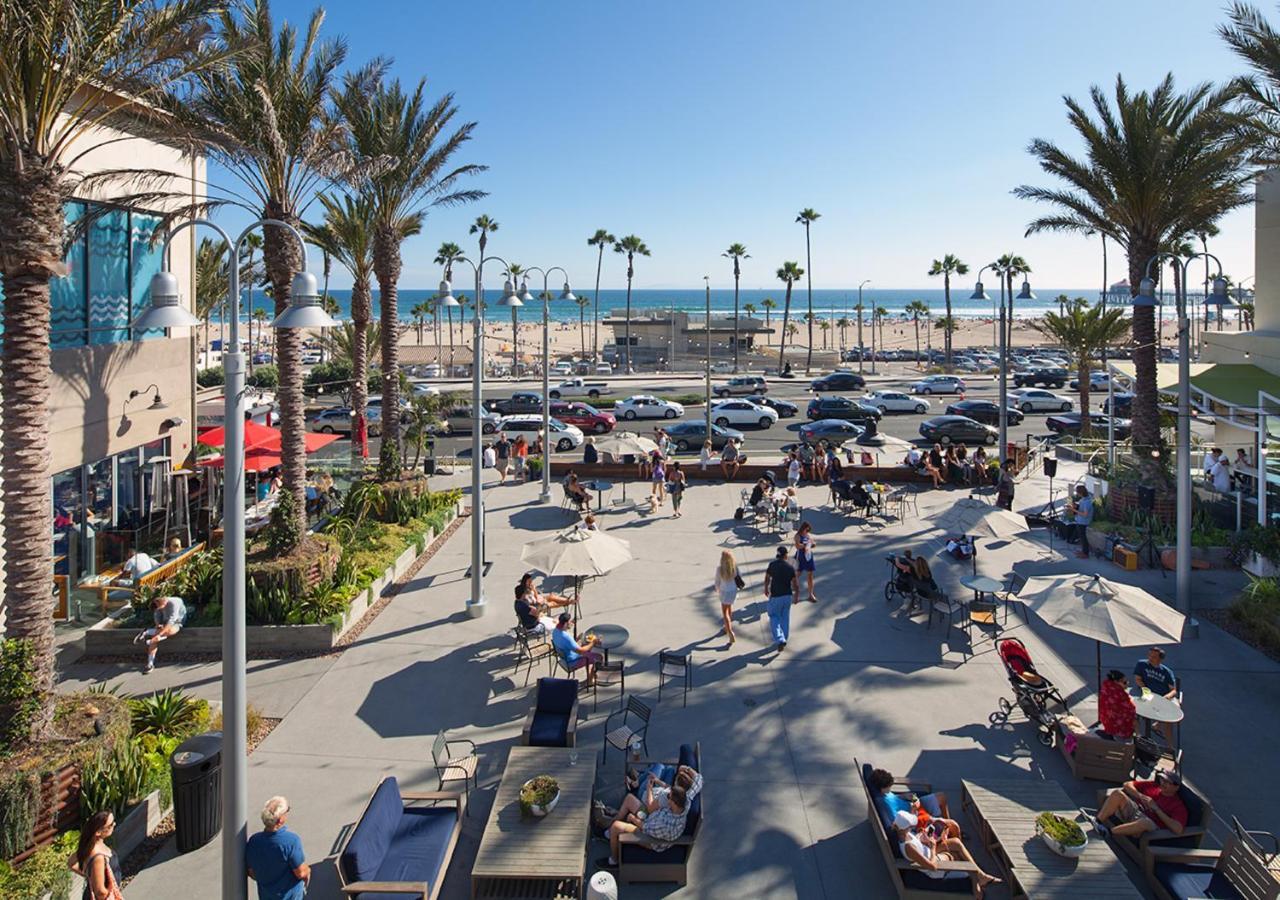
<point x="106" y="639"/>
<point x="138" y="824"/>
<point x="1260" y="566"/>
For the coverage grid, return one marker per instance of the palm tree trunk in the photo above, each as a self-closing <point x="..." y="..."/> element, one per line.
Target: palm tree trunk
<point x="32" y="217"/>
<point x="1082" y="370"/>
<point x="782" y="343"/>
<point x="628" y="328"/>
<point x="1146" y="415"/>
<point x="386" y="266"/>
<point x="946" y="337"/>
<point x="595" y="322"/>
<point x="361" y="308"/>
<point x="736" y="279"/>
<point x="916" y="322"/>
<point x="283" y="259"/>
<point x="808" y="274"/>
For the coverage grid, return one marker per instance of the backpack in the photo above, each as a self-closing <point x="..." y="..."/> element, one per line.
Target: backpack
<point x="739" y="514"/>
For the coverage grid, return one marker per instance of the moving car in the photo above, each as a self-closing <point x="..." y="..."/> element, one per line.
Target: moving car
<point x="562" y="437"/>
<point x="333" y="420"/>
<point x="644" y="406"/>
<point x="721" y="368"/>
<point x="579" y="387"/>
<point x="985" y="411"/>
<point x="584" y="416"/>
<point x="839" y="381"/>
<point x="690" y="436"/>
<point x="841" y="408"/>
<point x="462" y="421"/>
<point x="833" y="431"/>
<point x="1069" y="423"/>
<point x="742" y="412"/>
<point x="957" y="430"/>
<point x="1037" y="400"/>
<point x="895" y="401"/>
<point x="783" y="408"/>
<point x="521" y="402"/>
<point x="1096" y="380"/>
<point x="742" y="386"/>
<point x="1049" y="376"/>
<point x="939" y="384"/>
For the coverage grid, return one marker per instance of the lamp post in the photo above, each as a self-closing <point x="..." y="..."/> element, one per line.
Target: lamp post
<point x="166" y="311"/>
<point x="707" y="365"/>
<point x="1146" y="297"/>
<point x="525" y="297"/>
<point x="476" y="603"/>
<point x="979" y="293"/>
<point x="867" y="281"/>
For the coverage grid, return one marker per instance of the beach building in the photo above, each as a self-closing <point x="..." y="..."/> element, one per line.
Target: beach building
<point x="668" y="337"/>
<point x="122" y="410"/>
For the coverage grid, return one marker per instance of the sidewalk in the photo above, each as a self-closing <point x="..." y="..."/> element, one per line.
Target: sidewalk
<point x="785" y="815"/>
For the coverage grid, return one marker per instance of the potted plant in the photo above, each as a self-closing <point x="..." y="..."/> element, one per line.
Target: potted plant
<point x="1063" y="836"/>
<point x="539" y="795"/>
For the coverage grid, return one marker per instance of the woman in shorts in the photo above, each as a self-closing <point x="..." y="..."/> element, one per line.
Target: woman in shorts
<point x="805" y="543"/>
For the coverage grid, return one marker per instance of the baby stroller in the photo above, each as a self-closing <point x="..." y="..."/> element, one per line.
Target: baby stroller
<point x="1032" y="696"/>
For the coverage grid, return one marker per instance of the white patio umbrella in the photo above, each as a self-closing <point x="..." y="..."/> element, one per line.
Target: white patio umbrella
<point x="1120" y="615"/>
<point x="883" y="443"/>
<point x="978" y="519"/>
<point x="625" y="443"/>
<point x="577" y="552"/>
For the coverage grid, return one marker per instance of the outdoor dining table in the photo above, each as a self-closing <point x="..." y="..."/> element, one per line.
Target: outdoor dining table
<point x="982" y="585"/>
<point x="609" y="637"/>
<point x="599" y="485"/>
<point x="1158" y="708"/>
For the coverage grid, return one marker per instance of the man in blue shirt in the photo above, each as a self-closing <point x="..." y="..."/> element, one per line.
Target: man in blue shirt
<point x="1151" y="673"/>
<point x="274" y="856"/>
<point x="575" y="655"/>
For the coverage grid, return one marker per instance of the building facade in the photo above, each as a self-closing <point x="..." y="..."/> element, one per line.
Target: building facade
<point x="672" y="338"/>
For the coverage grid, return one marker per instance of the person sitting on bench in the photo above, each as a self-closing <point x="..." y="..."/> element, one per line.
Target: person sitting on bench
<point x="926" y="809"/>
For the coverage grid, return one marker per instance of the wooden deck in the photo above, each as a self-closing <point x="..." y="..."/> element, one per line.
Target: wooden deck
<point x="1005" y="813"/>
<point x="529" y="857"/>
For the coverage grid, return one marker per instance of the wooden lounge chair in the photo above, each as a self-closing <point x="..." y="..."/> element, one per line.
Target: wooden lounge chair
<point x="1237" y="870"/>
<point x="1199" y="815"/>
<point x="1097" y="757"/>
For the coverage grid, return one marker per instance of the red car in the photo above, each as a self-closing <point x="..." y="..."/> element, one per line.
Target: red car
<point x="584" y="415"/>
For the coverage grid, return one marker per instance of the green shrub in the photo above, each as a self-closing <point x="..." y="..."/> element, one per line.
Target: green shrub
<point x="211" y="377"/>
<point x="169" y="713"/>
<point x="45" y="872"/>
<point x="1258" y="611"/>
<point x="267" y="376"/>
<point x="114" y="780"/>
<point x="18" y="807"/>
<point x="19" y="699"/>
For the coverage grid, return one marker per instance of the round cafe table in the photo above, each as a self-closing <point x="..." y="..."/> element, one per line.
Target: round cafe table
<point x="982" y="585"/>
<point x="1155" y="708"/>
<point x="598" y="485"/>
<point x="609" y="637"/>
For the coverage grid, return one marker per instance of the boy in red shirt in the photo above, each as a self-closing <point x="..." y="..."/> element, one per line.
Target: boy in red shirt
<point x="1142" y="806"/>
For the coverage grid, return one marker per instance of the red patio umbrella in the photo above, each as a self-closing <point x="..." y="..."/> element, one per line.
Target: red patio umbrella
<point x="255" y="437"/>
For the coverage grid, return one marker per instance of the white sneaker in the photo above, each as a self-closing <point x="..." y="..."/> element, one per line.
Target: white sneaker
<point x="149" y="668"/>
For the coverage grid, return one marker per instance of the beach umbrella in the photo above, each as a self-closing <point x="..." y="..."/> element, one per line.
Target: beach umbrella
<point x="1119" y="615"/>
<point x="576" y="554"/>
<point x="625" y="443"/>
<point x="979" y="520"/>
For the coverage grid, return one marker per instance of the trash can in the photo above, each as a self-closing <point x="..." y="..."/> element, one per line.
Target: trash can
<point x="196" y="770"/>
<point x="429" y="463"/>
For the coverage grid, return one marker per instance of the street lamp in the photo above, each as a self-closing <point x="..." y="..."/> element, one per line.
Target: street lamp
<point x="979" y="293"/>
<point x="707" y="335"/>
<point x="166" y="311"/>
<point x="525" y="297"/>
<point x="867" y="281"/>
<point x="476" y="603"/>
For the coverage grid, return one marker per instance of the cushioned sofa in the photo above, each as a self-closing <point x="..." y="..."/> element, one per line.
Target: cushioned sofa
<point x="553" y="718"/>
<point x="638" y="862"/>
<point x="398" y="850"/>
<point x="1199" y="815"/>
<point x="1236" y="872"/>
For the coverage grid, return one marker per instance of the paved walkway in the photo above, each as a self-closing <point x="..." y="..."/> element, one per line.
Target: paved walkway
<point x="785" y="816"/>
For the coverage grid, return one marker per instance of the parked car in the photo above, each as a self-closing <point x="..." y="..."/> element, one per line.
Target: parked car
<point x="1049" y="376"/>
<point x="841" y="408"/>
<point x="1069" y="423"/>
<point x="783" y="408"/>
<point x="742" y="412"/>
<point x="722" y="367"/>
<point x="644" y="406"/>
<point x="462" y="421"/>
<point x="957" y="430"/>
<point x="741" y="386"/>
<point x="1097" y="380"/>
<point x="604" y="369"/>
<point x="1124" y="404"/>
<point x="833" y="431"/>
<point x="579" y="387"/>
<point x="421" y="389"/>
<point x="1037" y="400"/>
<point x="519" y="403"/>
<point x="838" y="381"/>
<point x="562" y="369"/>
<point x="583" y="415"/>
<point x="333" y="420"/>
<point x="562" y="437"/>
<point x="985" y="411"/>
<point x="939" y="384"/>
<point x="312" y="357"/>
<point x="261" y="359"/>
<point x="895" y="401"/>
<point x="687" y="436"/>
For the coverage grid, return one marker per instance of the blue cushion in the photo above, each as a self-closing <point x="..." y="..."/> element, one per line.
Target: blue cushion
<point x="368" y="845"/>
<point x="637" y="854"/>
<point x="1195" y="807"/>
<point x="549" y="729"/>
<point x="1183" y="881"/>
<point x="919" y="881"/>
<point x="689" y="758"/>
<point x="556" y="695"/>
<point x="886" y="816"/>
<point x="418" y="849"/>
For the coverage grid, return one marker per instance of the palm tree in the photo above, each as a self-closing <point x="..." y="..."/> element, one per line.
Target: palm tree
<point x="881" y="312"/>
<point x="825" y="325"/>
<point x="65" y="65"/>
<point x="768" y="303"/>
<point x="348" y="342"/>
<point x="1008" y="267"/>
<point x="916" y="309"/>
<point x="260" y="316"/>
<point x="421" y="312"/>
<point x="445" y="256"/>
<point x="347" y="233"/>
<point x="601" y="239"/>
<point x="514" y="271"/>
<point x="788" y="274"/>
<point x="737" y="253"/>
<point x="632" y="246"/>
<point x="843" y="323"/>
<point x="404" y="144"/>
<point x="1257" y="43"/>
<point x="1082" y="331"/>
<point x="949" y="265"/>
<point x="807" y="217"/>
<point x="265" y="120"/>
<point x="484" y="225"/>
<point x="1158" y="165"/>
<point x="212" y="283"/>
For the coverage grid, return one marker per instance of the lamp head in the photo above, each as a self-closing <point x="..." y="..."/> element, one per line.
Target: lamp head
<point x="567" y="294"/>
<point x="978" y="293"/>
<point x="446" y="297"/>
<point x="1146" y="293"/>
<point x="524" y="295"/>
<point x="166" y="310"/>
<point x="1219" y="295"/>
<point x="1025" y="293"/>
<point x="304" y="310"/>
<point x="509" y="297"/>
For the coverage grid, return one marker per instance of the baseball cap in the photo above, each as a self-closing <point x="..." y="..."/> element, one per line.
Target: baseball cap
<point x="904" y="820"/>
<point x="1166" y="776"/>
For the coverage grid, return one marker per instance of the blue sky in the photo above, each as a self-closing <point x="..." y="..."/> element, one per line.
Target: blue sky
<point x="696" y="124"/>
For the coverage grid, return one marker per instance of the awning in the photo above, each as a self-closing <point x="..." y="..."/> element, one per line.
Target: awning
<point x="1227" y="390"/>
<point x="1166" y="373"/>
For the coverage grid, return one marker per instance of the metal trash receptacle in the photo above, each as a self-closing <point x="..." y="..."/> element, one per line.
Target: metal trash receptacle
<point x="196" y="772"/>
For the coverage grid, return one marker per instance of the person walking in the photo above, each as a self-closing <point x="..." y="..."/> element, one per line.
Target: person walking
<point x="95" y="861"/>
<point x="274" y="856"/>
<point x="658" y="479"/>
<point x="805" y="542"/>
<point x="520" y="453"/>
<point x="1005" y="486"/>
<point x="676" y="482"/>
<point x="727" y="584"/>
<point x="780" y="587"/>
<point x="502" y="454"/>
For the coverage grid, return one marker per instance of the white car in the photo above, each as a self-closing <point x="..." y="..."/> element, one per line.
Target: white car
<point x="742" y="412"/>
<point x="1038" y="400"/>
<point x="562" y="369"/>
<point x="312" y="357"/>
<point x="604" y="369"/>
<point x="563" y="437"/>
<point x="895" y="401"/>
<point x="644" y="406"/>
<point x="938" y="384"/>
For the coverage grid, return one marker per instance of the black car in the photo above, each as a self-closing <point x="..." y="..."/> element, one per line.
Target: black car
<point x="985" y="411"/>
<point x="839" y="381"/>
<point x="1069" y="423"/>
<point x="833" y="431"/>
<point x="1124" y="404"/>
<point x="1050" y="378"/>
<point x="688" y="436"/>
<point x="957" y="430"/>
<point x="841" y="408"/>
<point x="784" y="409"/>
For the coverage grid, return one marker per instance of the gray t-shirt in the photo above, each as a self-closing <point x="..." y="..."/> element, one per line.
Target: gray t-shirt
<point x="174" y="612"/>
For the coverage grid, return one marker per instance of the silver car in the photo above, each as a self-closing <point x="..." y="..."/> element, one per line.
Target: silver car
<point x="462" y="421"/>
<point x="1038" y="400"/>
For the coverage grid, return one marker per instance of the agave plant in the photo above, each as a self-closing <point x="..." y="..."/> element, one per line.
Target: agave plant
<point x="169" y="712"/>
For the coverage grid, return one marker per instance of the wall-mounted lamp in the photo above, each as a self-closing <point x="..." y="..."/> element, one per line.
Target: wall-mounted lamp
<point x="172" y="422"/>
<point x="156" y="401"/>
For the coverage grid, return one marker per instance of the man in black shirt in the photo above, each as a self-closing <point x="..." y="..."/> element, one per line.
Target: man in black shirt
<point x="502" y="452"/>
<point x="780" y="586"/>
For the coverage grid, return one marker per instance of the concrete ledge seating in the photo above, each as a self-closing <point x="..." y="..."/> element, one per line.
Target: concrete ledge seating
<point x="748" y="472"/>
<point x="397" y="850"/>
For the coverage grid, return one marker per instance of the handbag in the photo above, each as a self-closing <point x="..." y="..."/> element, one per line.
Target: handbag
<point x="1146" y="751"/>
<point x="737" y="579"/>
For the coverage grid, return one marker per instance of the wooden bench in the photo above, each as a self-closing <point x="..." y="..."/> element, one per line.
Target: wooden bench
<point x="162" y="572"/>
<point x="1097" y="757"/>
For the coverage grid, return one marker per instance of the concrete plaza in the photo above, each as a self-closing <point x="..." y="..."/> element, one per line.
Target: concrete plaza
<point x="784" y="812"/>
